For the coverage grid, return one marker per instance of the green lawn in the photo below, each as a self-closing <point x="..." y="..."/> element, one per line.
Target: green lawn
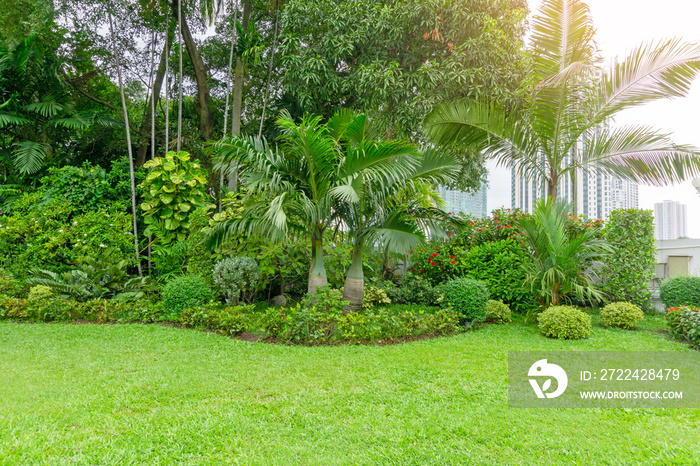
<point x="138" y="394"/>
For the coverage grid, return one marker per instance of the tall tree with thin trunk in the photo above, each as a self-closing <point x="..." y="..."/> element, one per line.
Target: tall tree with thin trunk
<point x="179" y="75"/>
<point x="128" y="141"/>
<point x="269" y="72"/>
<point x="228" y="87"/>
<point x="238" y="79"/>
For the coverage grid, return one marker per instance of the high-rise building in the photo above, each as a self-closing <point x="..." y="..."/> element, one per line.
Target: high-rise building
<point x="459" y="201"/>
<point x="669" y="220"/>
<point x="597" y="193"/>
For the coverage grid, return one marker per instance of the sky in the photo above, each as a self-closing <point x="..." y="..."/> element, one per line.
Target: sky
<point x="621" y="25"/>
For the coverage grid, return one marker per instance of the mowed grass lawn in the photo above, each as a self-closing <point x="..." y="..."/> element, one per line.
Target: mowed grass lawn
<point x="139" y="394"/>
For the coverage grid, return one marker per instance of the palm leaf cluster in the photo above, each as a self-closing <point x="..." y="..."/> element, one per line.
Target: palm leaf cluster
<point x="567" y="125"/>
<point x="321" y="176"/>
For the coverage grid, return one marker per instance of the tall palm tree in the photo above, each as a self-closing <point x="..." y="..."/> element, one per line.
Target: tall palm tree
<point x="302" y="181"/>
<point x="567" y="121"/>
<point x="371" y="202"/>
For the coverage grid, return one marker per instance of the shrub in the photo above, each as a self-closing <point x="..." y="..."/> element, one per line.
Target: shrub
<point x="623" y="315"/>
<point x="373" y="296"/>
<point x="565" y="322"/>
<point x="468" y="297"/>
<point x="326" y="300"/>
<point x="237" y="278"/>
<point x="9" y="285"/>
<point x="497" y="312"/>
<point x="227" y="320"/>
<point x="626" y="272"/>
<point x="680" y="291"/>
<point x="39" y="292"/>
<point x="411" y="289"/>
<point x="684" y="324"/>
<point x="99" y="310"/>
<point x="185" y="292"/>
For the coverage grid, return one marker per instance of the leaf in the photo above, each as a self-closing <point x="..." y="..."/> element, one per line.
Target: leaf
<point x="29" y="156"/>
<point x="166" y="198"/>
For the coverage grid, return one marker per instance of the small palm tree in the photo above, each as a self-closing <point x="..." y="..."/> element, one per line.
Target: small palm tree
<point x="561" y="264"/>
<point x="572" y="102"/>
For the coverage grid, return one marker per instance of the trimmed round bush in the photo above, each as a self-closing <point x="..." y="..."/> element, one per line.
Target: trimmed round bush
<point x="237" y="278"/>
<point x="680" y="291"/>
<point x="468" y="297"/>
<point x="565" y="323"/>
<point x="185" y="292"/>
<point x="39" y="292"/>
<point x="497" y="312"/>
<point x="622" y="314"/>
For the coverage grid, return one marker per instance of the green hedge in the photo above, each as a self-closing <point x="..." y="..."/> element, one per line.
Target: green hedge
<point x="680" y="291"/>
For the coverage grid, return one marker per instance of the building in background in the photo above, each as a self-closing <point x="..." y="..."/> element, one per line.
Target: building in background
<point x="459" y="201"/>
<point x="597" y="193"/>
<point x="670" y="220"/>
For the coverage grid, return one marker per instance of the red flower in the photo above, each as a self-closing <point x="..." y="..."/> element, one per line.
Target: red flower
<point x="507" y="226"/>
<point x="452" y="256"/>
<point x="436" y="249"/>
<point x="441" y="266"/>
<point x="453" y="262"/>
<point x="435" y="254"/>
<point x="421" y="250"/>
<point x="411" y="251"/>
<point x="413" y="270"/>
<point x="421" y="271"/>
<point x="432" y="263"/>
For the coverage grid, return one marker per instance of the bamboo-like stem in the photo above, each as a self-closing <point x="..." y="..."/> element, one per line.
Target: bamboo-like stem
<point x="269" y="72"/>
<point x="128" y="143"/>
<point x="179" y="76"/>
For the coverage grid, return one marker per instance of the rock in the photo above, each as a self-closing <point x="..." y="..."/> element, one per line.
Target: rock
<point x="278" y="301"/>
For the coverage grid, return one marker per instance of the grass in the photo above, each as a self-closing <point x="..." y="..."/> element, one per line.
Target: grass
<point x="138" y="394"/>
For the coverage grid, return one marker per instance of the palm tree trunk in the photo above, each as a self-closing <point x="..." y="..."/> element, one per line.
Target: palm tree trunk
<point x="317" y="273"/>
<point x="167" y="87"/>
<point x="128" y="144"/>
<point x="238" y="86"/>
<point x="269" y="72"/>
<point x="354" y="282"/>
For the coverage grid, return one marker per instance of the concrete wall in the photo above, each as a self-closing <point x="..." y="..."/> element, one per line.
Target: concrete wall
<point x="674" y="257"/>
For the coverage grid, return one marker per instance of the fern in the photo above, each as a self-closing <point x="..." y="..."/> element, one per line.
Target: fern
<point x="11" y="119"/>
<point x="46" y="108"/>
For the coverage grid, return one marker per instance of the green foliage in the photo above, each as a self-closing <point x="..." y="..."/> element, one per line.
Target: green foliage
<point x="57" y="235"/>
<point x="680" y="291"/>
<point x="226" y="320"/>
<point x="97" y="310"/>
<point x="684" y="324"/>
<point x="565" y="322"/>
<point x="185" y="292"/>
<point x="621" y="314"/>
<point x="374" y="297"/>
<point x="468" y="297"/>
<point x="237" y="278"/>
<point x="98" y="277"/>
<point x="497" y="312"/>
<point x="411" y="289"/>
<point x="309" y="326"/>
<point x="88" y="187"/>
<point x="627" y="271"/>
<point x="562" y="265"/>
<point x="39" y="292"/>
<point x="174" y="187"/>
<point x="326" y="300"/>
<point x="10" y="286"/>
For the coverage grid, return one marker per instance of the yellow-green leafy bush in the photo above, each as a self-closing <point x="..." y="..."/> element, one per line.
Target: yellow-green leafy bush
<point x="565" y="322"/>
<point x="498" y="312"/>
<point x="622" y="314"/>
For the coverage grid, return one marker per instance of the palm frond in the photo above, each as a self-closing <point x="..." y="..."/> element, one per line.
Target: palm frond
<point x="29" y="156"/>
<point x="12" y="119"/>
<point x="46" y="108"/>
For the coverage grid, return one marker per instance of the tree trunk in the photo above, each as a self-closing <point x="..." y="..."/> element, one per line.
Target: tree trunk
<point x="128" y="144"/>
<point x="387" y="266"/>
<point x="317" y="274"/>
<point x="354" y="282"/>
<point x="200" y="71"/>
<point x="147" y="123"/>
<point x="552" y="183"/>
<point x="238" y="86"/>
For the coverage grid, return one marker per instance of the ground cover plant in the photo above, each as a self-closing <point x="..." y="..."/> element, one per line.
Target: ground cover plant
<point x="135" y="394"/>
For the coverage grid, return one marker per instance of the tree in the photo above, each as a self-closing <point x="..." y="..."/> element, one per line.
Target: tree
<point x="396" y="60"/>
<point x="572" y="103"/>
<point x="562" y="262"/>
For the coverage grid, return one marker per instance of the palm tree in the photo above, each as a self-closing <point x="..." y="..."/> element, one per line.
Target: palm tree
<point x="561" y="264"/>
<point x="573" y="100"/>
<point x="371" y="202"/>
<point x="304" y="181"/>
